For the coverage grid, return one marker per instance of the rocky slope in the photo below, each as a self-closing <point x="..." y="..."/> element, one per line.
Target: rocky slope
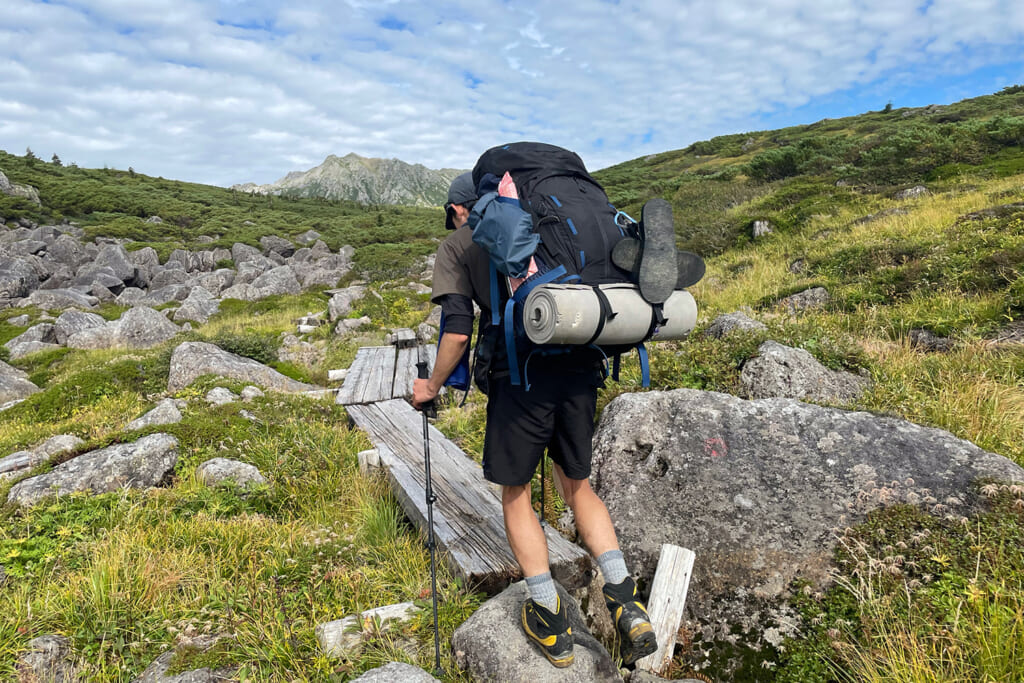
<point x="368" y="181"/>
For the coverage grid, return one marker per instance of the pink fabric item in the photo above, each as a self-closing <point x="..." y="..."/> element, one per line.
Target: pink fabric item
<point x="507" y="187"/>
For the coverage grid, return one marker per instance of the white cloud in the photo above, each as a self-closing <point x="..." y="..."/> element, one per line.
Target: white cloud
<point x="225" y="91"/>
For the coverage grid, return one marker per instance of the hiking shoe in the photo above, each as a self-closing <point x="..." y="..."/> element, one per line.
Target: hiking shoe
<point x="631" y="620"/>
<point x="551" y="632"/>
<point x="689" y="266"/>
<point x="657" y="272"/>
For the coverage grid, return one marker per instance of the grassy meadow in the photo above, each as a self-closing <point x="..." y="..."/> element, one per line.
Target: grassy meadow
<point x="917" y="597"/>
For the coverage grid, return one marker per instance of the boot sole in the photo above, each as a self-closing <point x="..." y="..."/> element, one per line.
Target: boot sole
<point x="658" y="273"/>
<point x="689" y="266"/>
<point x="643" y="642"/>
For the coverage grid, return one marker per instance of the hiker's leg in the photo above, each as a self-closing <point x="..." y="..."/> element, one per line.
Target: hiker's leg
<point x="592" y="518"/>
<point x="525" y="535"/>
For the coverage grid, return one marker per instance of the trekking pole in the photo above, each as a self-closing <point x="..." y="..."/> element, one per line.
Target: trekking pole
<point x="429" y="411"/>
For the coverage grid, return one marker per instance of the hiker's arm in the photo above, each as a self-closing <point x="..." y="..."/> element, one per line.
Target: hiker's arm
<point x="449" y="352"/>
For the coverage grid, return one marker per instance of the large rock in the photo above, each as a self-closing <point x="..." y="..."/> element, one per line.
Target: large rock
<point x="142" y="327"/>
<point x="115" y="258"/>
<point x="780" y="371"/>
<point x="240" y="253"/>
<point x="758" y="488"/>
<point x="729" y="323"/>
<point x="272" y="244"/>
<point x="14" y="384"/>
<point x="17" y="278"/>
<point x="341" y="302"/>
<point x="43" y="332"/>
<point x="166" y="412"/>
<point x="48" y="660"/>
<point x="141" y="464"/>
<point x="217" y="281"/>
<point x="59" y="299"/>
<point x="218" y="470"/>
<point x="491" y="645"/>
<point x="192" y="360"/>
<point x="28" y="348"/>
<point x="280" y="280"/>
<point x="198" y="307"/>
<point x="395" y="672"/>
<point x="159" y="671"/>
<point x="15" y="463"/>
<point x="809" y="299"/>
<point x="71" y="322"/>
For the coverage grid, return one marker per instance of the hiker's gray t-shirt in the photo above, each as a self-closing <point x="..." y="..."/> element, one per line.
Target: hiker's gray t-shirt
<point x="461" y="268"/>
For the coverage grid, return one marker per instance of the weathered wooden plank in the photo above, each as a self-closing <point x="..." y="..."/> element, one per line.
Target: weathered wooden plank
<point x="404" y="338"/>
<point x="370" y="377"/>
<point x="468" y="524"/>
<point x="667" y="602"/>
<point x="406" y="371"/>
<point x="14" y="463"/>
<point x="355" y="378"/>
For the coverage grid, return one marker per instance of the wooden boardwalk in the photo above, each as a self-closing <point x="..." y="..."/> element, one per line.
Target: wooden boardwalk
<point x="468" y="524"/>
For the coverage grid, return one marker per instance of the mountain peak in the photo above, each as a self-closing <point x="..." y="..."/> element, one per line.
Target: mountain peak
<point x="365" y="180"/>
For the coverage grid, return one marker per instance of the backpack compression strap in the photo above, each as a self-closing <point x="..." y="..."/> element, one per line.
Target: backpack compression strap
<point x="510" y="327"/>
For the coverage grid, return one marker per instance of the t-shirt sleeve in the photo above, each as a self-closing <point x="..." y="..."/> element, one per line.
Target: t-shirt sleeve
<point x="458" y="314"/>
<point x="450" y="276"/>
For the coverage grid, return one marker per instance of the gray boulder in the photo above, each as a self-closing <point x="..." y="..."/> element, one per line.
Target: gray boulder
<point x="168" y="275"/>
<point x="59" y="299"/>
<point x="43" y="332"/>
<point x="158" y="670"/>
<point x="16" y="463"/>
<point x="48" y="660"/>
<point x="130" y="296"/>
<point x="247" y="272"/>
<point x="240" y="253"/>
<point x="114" y="257"/>
<point x="142" y="327"/>
<point x="273" y="244"/>
<point x="70" y="322"/>
<point x="911" y="193"/>
<point x="14" y="384"/>
<point x="395" y="672"/>
<point x="198" y="307"/>
<point x="308" y="237"/>
<point x="166" y="295"/>
<point x="26" y="248"/>
<point x="729" y="323"/>
<point x="926" y="340"/>
<point x="280" y="280"/>
<point x="242" y="291"/>
<point x="780" y="371"/>
<point x="28" y="348"/>
<point x="341" y="302"/>
<point x="349" y="325"/>
<point x="19" y="320"/>
<point x="166" y="412"/>
<point x="809" y="299"/>
<point x="192" y="360"/>
<point x="220" y="396"/>
<point x="218" y="470"/>
<point x="491" y="645"/>
<point x="758" y="489"/>
<point x="141" y="464"/>
<point x="761" y="228"/>
<point x="217" y="281"/>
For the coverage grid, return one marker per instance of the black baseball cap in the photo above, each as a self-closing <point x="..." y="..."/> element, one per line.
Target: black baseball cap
<point x="461" y="191"/>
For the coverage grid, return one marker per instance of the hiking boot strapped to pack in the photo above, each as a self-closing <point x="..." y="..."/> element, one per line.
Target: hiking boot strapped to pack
<point x="631" y="620"/>
<point x="551" y="632"/>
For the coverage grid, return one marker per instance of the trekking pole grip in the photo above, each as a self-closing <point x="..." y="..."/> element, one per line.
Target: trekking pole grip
<point x="429" y="409"/>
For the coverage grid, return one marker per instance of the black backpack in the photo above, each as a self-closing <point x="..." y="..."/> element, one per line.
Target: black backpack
<point x="578" y="228"/>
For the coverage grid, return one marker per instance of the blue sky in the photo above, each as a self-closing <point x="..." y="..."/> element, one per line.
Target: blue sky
<point x="230" y="91"/>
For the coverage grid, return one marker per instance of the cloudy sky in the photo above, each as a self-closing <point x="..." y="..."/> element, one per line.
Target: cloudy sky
<point x="229" y="91"/>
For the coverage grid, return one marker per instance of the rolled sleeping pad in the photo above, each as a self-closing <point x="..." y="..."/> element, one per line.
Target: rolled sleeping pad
<point x="570" y="314"/>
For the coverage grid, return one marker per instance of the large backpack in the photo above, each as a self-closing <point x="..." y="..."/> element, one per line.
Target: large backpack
<point x="563" y="219"/>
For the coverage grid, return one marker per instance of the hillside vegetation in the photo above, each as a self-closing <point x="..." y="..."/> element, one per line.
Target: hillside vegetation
<point x="917" y="597"/>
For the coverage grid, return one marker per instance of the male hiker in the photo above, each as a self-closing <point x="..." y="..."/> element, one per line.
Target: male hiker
<point x="557" y="414"/>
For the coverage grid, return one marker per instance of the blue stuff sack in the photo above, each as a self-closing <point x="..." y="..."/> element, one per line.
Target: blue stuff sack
<point x="505" y="232"/>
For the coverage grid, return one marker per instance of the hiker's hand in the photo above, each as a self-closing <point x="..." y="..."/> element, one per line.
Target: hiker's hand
<point x="422" y="394"/>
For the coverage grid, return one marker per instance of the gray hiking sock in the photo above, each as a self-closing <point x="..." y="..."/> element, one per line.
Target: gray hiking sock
<point x="543" y="592"/>
<point x="613" y="566"/>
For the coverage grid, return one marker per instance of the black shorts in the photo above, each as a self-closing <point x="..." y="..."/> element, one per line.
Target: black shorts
<point x="557" y="413"/>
